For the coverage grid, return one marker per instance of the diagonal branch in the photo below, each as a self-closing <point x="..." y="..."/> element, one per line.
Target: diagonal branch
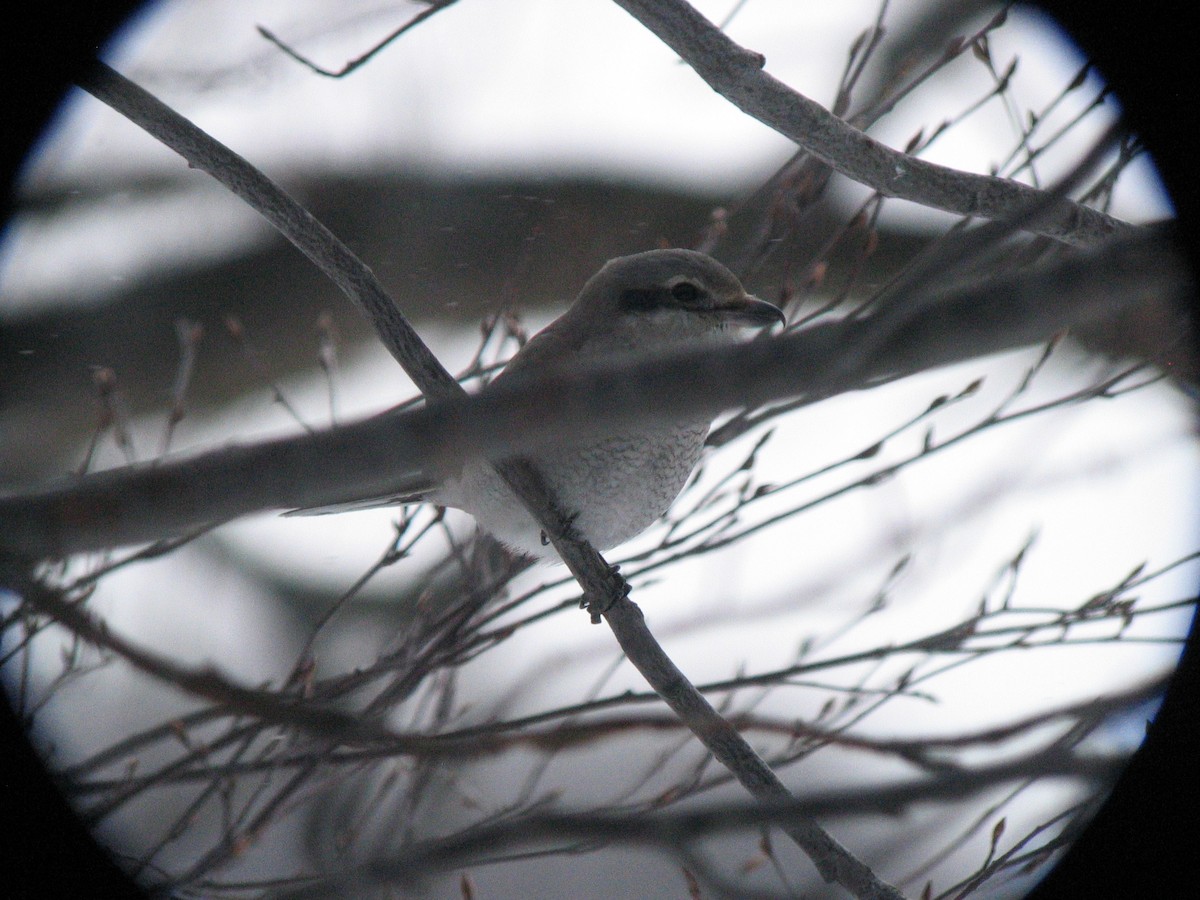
<point x="674" y="831"/>
<point x="601" y="584"/>
<point x="205" y="682"/>
<point x="291" y="219"/>
<point x="737" y="75"/>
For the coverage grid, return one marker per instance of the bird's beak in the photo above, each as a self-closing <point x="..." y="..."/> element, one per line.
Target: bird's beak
<point x="748" y="310"/>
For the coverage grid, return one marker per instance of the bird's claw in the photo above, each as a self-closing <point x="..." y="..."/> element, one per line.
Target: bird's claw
<point x="568" y="529"/>
<point x="617" y="589"/>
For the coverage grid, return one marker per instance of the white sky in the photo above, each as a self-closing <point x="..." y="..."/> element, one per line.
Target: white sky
<point x="577" y="86"/>
<point x="571" y="86"/>
<point x="530" y="87"/>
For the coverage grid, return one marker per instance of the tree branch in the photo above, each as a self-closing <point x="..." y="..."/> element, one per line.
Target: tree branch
<point x="673" y="831"/>
<point x="435" y="6"/>
<point x="208" y="683"/>
<point x="291" y="219"/>
<point x="605" y="589"/>
<point x="392" y="452"/>
<point x="737" y="75"/>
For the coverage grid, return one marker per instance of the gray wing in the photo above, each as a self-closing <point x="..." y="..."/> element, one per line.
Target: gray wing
<point x="544" y="349"/>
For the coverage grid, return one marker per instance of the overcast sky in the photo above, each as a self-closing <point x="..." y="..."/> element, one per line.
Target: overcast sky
<point x="570" y="87"/>
<point x="578" y="87"/>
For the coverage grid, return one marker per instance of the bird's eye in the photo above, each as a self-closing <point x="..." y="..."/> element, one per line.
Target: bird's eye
<point x="685" y="292"/>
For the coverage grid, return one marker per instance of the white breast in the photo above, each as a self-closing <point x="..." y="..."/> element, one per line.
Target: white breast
<point x="614" y="487"/>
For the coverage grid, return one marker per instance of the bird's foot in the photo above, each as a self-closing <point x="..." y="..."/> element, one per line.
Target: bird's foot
<point x="568" y="529"/>
<point x="617" y="589"/>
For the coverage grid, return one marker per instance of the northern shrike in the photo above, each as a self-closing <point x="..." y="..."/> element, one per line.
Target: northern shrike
<point x="615" y="486"/>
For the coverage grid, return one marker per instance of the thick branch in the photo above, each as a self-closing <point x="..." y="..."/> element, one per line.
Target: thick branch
<point x="608" y="597"/>
<point x="737" y="75"/>
<point x="376" y="457"/>
<point x="394" y="451"/>
<point x="599" y="582"/>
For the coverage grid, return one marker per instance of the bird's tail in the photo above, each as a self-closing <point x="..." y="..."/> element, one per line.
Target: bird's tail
<point x="418" y="496"/>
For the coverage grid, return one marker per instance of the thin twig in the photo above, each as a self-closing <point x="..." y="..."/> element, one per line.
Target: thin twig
<point x="435" y="6"/>
<point x="738" y="75"/>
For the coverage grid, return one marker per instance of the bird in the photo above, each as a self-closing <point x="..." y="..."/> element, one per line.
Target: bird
<point x="615" y="486"/>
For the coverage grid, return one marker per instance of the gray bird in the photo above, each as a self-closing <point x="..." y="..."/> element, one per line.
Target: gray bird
<point x="612" y="487"/>
<point x="617" y="485"/>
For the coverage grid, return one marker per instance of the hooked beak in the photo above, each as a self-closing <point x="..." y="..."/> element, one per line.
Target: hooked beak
<point x="748" y="310"/>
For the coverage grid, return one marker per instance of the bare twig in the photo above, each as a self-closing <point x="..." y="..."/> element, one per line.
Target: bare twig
<point x="737" y="74"/>
<point x="600" y="582"/>
<point x="189" y="334"/>
<point x="237" y="331"/>
<point x="435" y="6"/>
<point x="203" y="682"/>
<point x="671" y="832"/>
<point x="292" y="220"/>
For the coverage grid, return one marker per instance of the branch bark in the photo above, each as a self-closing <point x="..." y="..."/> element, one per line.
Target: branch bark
<point x="673" y="832"/>
<point x="606" y="590"/>
<point x="737" y="74"/>
<point x="392" y="452"/>
<point x="291" y="219"/>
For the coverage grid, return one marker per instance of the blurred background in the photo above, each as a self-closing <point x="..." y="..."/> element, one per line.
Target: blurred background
<point x="486" y="164"/>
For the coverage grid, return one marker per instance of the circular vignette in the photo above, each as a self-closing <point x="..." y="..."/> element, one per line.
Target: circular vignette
<point x="1138" y="843"/>
<point x="48" y="851"/>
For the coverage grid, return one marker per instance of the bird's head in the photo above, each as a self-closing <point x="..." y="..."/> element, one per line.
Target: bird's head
<point x="666" y="297"/>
